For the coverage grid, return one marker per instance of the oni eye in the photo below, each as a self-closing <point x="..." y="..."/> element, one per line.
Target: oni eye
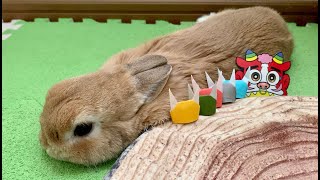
<point x="255" y="76"/>
<point x="83" y="129"/>
<point x="273" y="77"/>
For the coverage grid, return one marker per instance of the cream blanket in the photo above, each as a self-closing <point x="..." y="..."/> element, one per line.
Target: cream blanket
<point x="253" y="138"/>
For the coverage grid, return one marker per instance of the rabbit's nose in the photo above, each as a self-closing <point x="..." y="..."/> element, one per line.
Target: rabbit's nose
<point x="56" y="136"/>
<point x="53" y="137"/>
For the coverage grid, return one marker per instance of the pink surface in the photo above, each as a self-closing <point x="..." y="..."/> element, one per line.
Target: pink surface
<point x="205" y="92"/>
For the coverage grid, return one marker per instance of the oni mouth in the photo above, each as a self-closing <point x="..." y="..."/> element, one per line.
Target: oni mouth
<point x="260" y="93"/>
<point x="263" y="92"/>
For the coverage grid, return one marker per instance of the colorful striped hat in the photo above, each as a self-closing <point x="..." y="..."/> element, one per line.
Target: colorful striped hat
<point x="250" y="55"/>
<point x="278" y="58"/>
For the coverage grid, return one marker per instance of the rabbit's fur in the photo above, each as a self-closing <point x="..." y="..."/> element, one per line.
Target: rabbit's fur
<point x="130" y="92"/>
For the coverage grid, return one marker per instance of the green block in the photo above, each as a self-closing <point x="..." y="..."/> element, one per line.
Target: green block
<point x="207" y="105"/>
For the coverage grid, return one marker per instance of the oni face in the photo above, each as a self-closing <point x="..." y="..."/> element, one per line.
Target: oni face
<point x="267" y="75"/>
<point x="264" y="81"/>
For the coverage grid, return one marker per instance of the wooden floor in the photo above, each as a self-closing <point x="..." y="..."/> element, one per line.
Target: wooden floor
<point x="174" y="11"/>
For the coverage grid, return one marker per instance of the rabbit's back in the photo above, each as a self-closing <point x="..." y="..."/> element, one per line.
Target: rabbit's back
<point x="206" y="46"/>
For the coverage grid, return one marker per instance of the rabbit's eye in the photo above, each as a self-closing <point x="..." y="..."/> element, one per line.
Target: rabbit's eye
<point x="83" y="129"/>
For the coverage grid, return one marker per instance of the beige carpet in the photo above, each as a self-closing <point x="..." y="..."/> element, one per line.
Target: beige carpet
<point x="254" y="138"/>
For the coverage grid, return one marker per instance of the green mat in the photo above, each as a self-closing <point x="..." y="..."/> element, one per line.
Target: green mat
<point x="42" y="53"/>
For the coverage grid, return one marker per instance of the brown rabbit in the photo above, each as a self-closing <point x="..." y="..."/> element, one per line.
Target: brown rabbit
<point x="92" y="118"/>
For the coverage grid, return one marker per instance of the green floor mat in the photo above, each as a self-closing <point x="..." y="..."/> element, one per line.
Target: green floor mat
<point x="41" y="53"/>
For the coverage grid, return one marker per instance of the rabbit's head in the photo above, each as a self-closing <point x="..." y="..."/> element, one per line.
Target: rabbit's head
<point x="91" y="118"/>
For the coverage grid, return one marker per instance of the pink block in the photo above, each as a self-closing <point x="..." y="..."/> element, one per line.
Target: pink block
<point x="205" y="92"/>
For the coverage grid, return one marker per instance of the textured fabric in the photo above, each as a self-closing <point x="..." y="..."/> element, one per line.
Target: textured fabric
<point x="41" y="53"/>
<point x="249" y="139"/>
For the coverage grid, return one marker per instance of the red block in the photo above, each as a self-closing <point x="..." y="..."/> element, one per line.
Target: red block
<point x="219" y="99"/>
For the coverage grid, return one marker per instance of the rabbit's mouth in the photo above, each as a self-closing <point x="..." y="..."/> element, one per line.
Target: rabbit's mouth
<point x="63" y="153"/>
<point x="57" y="154"/>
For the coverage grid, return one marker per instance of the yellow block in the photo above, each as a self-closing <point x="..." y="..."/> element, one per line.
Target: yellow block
<point x="185" y="112"/>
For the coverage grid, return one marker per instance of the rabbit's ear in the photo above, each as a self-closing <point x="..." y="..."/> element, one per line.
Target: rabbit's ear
<point x="151" y="73"/>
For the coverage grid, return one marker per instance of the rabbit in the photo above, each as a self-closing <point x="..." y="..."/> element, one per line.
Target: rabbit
<point x="205" y="17"/>
<point x="91" y="118"/>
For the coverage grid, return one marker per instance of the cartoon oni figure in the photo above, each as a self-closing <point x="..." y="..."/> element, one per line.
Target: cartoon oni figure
<point x="267" y="75"/>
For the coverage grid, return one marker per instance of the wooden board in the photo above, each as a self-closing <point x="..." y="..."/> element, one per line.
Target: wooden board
<point x="174" y="11"/>
<point x="253" y="138"/>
